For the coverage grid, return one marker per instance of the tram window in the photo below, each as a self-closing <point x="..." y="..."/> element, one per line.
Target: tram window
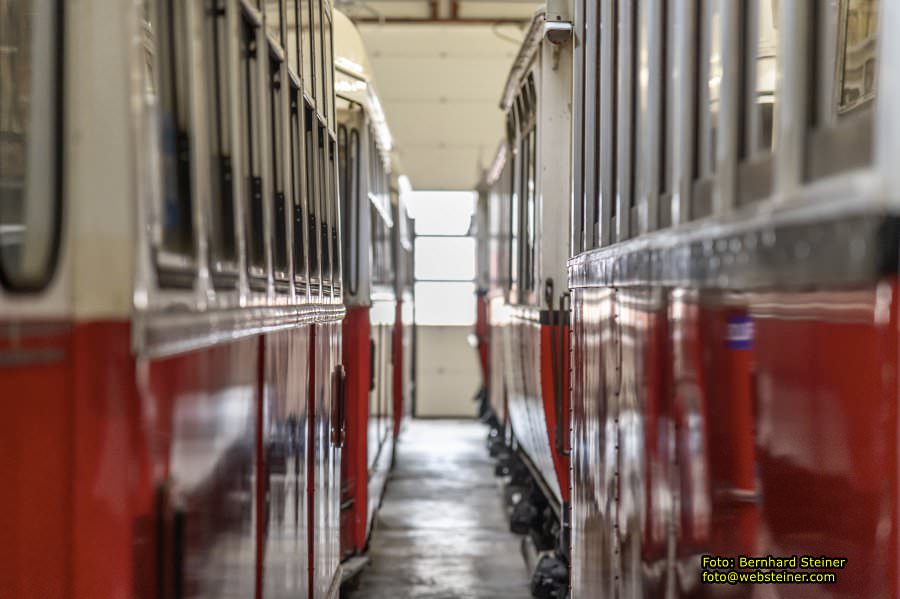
<point x="847" y="47"/>
<point x="324" y="208"/>
<point x="30" y="161"/>
<point x="274" y="9"/>
<point x="252" y="171"/>
<point x="505" y="198"/>
<point x="529" y="236"/>
<point x="344" y="169"/>
<point x="532" y="91"/>
<point x="276" y="172"/>
<point x="650" y="114"/>
<point x="329" y="71"/>
<point x="374" y="220"/>
<point x="666" y="117"/>
<point x="626" y="117"/>
<point x="859" y="57"/>
<point x="515" y="194"/>
<point x="223" y="235"/>
<point x="311" y="196"/>
<point x="306" y="37"/>
<point x="708" y="81"/>
<point x="174" y="109"/>
<point x="587" y="123"/>
<point x="297" y="187"/>
<point x="607" y="123"/>
<point x="355" y="203"/>
<point x="761" y="54"/>
<point x="318" y="58"/>
<point x="758" y="135"/>
<point x="711" y="83"/>
<point x="336" y="273"/>
<point x="348" y="194"/>
<point x="292" y="35"/>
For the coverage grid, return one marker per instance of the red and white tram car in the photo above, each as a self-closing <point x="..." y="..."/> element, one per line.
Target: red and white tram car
<point x="378" y="290"/>
<point x="733" y="207"/>
<point x="171" y="300"/>
<point x="734" y="293"/>
<point x="521" y="311"/>
<point x="733" y="227"/>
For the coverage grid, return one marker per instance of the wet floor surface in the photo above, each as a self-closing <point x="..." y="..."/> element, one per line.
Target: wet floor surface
<point x="441" y="532"/>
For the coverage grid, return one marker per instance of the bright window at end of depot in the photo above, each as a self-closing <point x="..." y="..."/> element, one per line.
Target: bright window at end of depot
<point x="445" y="303"/>
<point x="441" y="212"/>
<point x="445" y="258"/>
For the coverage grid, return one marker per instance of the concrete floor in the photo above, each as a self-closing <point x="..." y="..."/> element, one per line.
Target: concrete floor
<point x="441" y="532"/>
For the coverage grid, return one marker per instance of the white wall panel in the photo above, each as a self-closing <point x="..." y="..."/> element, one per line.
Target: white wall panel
<point x="448" y="375"/>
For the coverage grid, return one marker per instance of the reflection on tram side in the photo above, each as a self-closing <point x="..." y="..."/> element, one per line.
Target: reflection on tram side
<point x="172" y="307"/>
<point x="732" y="270"/>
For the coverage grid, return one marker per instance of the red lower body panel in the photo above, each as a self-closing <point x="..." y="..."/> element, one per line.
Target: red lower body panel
<point x="712" y="423"/>
<point x="156" y="477"/>
<point x="537" y="382"/>
<point x="355" y="477"/>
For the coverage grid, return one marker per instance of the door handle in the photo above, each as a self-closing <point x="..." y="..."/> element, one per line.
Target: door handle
<point x="339" y="406"/>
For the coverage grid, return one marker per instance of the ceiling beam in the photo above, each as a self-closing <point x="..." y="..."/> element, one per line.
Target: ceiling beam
<point x="432" y="21"/>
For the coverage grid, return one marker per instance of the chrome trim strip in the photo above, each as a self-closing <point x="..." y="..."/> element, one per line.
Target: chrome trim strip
<point x="805" y="248"/>
<point x="520" y="66"/>
<point x="159" y="335"/>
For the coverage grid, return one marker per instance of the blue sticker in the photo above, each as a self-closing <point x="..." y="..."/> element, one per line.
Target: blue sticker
<point x="740" y="332"/>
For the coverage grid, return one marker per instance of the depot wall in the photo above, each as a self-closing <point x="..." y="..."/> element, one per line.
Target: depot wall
<point x="448" y="373"/>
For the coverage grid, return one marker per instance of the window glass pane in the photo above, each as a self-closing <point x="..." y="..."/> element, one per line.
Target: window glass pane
<point x="306" y="37"/>
<point x="762" y="121"/>
<point x="276" y="167"/>
<point x="445" y="303"/>
<point x="329" y="71"/>
<point x="171" y="46"/>
<point x="336" y="274"/>
<point x="252" y="171"/>
<point x="859" y="53"/>
<point x="316" y="41"/>
<point x="297" y="188"/>
<point x="274" y="10"/>
<point x="714" y="81"/>
<point x="445" y="258"/>
<point x="292" y="19"/>
<point x="223" y="226"/>
<point x="311" y="201"/>
<point x="28" y="139"/>
<point x="324" y="208"/>
<point x="441" y="212"/>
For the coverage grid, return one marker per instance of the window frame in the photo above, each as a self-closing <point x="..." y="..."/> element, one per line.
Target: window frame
<point x="324" y="209"/>
<point x="307" y="57"/>
<point x="755" y="169"/>
<point x="703" y="164"/>
<point x="251" y="106"/>
<point x="297" y="186"/>
<point x="349" y="197"/>
<point x="835" y="141"/>
<point x="317" y="56"/>
<point x="650" y="118"/>
<point x="175" y="266"/>
<point x="607" y="123"/>
<point x="223" y="250"/>
<point x="41" y="281"/>
<point x="337" y="272"/>
<point x="314" y="270"/>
